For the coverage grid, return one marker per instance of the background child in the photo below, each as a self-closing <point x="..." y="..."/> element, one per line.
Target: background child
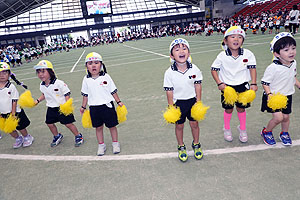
<point x="280" y="76"/>
<point x="235" y="67"/>
<point x="182" y="83"/>
<point x="99" y="92"/>
<point x="8" y="105"/>
<point x="55" y="92"/>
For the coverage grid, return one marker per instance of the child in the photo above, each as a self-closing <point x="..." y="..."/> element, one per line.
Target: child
<point x="182" y="83"/>
<point x="8" y="105"/>
<point x="99" y="91"/>
<point x="280" y="76"/>
<point x="55" y="92"/>
<point x="236" y="67"/>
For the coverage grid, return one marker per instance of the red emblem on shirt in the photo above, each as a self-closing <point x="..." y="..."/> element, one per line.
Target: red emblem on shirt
<point x="245" y="60"/>
<point x="104" y="82"/>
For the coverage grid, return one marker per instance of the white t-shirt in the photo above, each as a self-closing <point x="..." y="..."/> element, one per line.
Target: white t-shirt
<point x="55" y="92"/>
<point x="99" y="90"/>
<point x="234" y="71"/>
<point x="280" y="78"/>
<point x="295" y="15"/>
<point x="8" y="94"/>
<point x="182" y="84"/>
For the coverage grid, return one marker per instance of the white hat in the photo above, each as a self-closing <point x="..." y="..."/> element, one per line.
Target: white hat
<point x="278" y="37"/>
<point x="235" y="30"/>
<point x="93" y="56"/>
<point x="178" y="41"/>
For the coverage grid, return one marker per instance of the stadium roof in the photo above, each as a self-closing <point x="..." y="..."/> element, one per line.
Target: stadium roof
<point x="188" y="2"/>
<point x="12" y="8"/>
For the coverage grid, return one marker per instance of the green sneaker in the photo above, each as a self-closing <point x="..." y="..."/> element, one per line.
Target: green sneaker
<point x="198" y="154"/>
<point x="182" y="155"/>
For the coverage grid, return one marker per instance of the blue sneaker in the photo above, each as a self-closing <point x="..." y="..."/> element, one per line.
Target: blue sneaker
<point x="56" y="140"/>
<point x="268" y="137"/>
<point x="285" y="138"/>
<point x="78" y="140"/>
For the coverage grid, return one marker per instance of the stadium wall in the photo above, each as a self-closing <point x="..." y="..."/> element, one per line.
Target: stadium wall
<point x="225" y="8"/>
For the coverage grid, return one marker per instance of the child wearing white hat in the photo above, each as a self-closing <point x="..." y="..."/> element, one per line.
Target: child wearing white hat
<point x="99" y="92"/>
<point x="280" y="77"/>
<point x="182" y="83"/>
<point x="234" y="67"/>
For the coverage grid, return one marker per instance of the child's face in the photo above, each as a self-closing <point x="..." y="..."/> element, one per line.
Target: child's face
<point x="43" y="74"/>
<point x="94" y="67"/>
<point x="234" y="42"/>
<point x="287" y="54"/>
<point x="180" y="53"/>
<point x="4" y="75"/>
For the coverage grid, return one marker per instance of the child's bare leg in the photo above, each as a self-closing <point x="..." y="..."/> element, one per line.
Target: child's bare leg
<point x="53" y="129"/>
<point x="195" y="131"/>
<point x="24" y="132"/>
<point x="277" y="118"/>
<point x="72" y="128"/>
<point x="99" y="134"/>
<point x="14" y="134"/>
<point x="285" y="123"/>
<point x="179" y="133"/>
<point x="114" y="133"/>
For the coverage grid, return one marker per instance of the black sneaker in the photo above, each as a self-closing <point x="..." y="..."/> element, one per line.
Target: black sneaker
<point x="78" y="140"/>
<point x="56" y="140"/>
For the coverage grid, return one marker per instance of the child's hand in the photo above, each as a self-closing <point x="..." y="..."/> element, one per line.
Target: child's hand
<point x="253" y="87"/>
<point x="222" y="86"/>
<point x="82" y="110"/>
<point x="120" y="104"/>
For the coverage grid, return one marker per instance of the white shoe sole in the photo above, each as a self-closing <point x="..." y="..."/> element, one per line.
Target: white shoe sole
<point x="29" y="143"/>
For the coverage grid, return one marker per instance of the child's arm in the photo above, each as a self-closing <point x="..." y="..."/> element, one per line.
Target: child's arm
<point x="83" y="105"/>
<point x="221" y="85"/>
<point x="267" y="90"/>
<point x="297" y="83"/>
<point x="38" y="100"/>
<point x="253" y="75"/>
<point x="117" y="99"/>
<point x="198" y="89"/>
<point x="14" y="108"/>
<point x="170" y="97"/>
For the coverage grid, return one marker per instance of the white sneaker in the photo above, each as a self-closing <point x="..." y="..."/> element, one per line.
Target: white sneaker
<point x="19" y="142"/>
<point x="243" y="135"/>
<point x="0" y="136"/>
<point x="116" y="147"/>
<point x="227" y="135"/>
<point x="28" y="140"/>
<point x="101" y="149"/>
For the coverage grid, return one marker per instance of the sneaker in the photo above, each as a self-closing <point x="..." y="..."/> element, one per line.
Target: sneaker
<point x="268" y="137"/>
<point x="19" y="142"/>
<point x="28" y="140"/>
<point x="227" y="135"/>
<point x="101" y="149"/>
<point x="78" y="140"/>
<point x="56" y="140"/>
<point x="198" y="154"/>
<point x="243" y="135"/>
<point x="285" y="138"/>
<point x="0" y="136"/>
<point x="182" y="155"/>
<point x="116" y="147"/>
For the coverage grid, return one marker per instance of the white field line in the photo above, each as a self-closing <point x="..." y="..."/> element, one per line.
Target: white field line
<point x="77" y="62"/>
<point x="146" y="51"/>
<point x="152" y="156"/>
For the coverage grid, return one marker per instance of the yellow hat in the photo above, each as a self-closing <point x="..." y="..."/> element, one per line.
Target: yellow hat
<point x="4" y="66"/>
<point x="93" y="56"/>
<point x="44" y="64"/>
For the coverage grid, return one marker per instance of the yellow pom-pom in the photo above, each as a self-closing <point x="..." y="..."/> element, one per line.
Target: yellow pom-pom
<point x="67" y="108"/>
<point x="86" y="119"/>
<point x="26" y="100"/>
<point x="122" y="112"/>
<point x="230" y="95"/>
<point x="277" y="101"/>
<point x="198" y="111"/>
<point x="2" y="123"/>
<point x="11" y="124"/>
<point x="246" y="97"/>
<point x="172" y="114"/>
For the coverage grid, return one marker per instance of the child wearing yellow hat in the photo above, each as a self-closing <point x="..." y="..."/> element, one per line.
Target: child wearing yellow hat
<point x="12" y="117"/>
<point x="279" y="80"/>
<point x="232" y="70"/>
<point x="56" y="93"/>
<point x="99" y="92"/>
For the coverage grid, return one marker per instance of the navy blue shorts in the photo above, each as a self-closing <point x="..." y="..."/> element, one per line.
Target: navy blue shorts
<point x="53" y="115"/>
<point x="264" y="105"/>
<point x="185" y="109"/>
<point x="238" y="88"/>
<point x="103" y="114"/>
<point x="24" y="121"/>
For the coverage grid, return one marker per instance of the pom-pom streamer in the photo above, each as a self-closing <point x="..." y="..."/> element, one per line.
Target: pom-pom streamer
<point x="277" y="101"/>
<point x="2" y="123"/>
<point x="172" y="114"/>
<point x="246" y="97"/>
<point x="67" y="108"/>
<point x="26" y="100"/>
<point x="11" y="124"/>
<point x="230" y="95"/>
<point x="86" y="119"/>
<point x="122" y="113"/>
<point x="198" y="111"/>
